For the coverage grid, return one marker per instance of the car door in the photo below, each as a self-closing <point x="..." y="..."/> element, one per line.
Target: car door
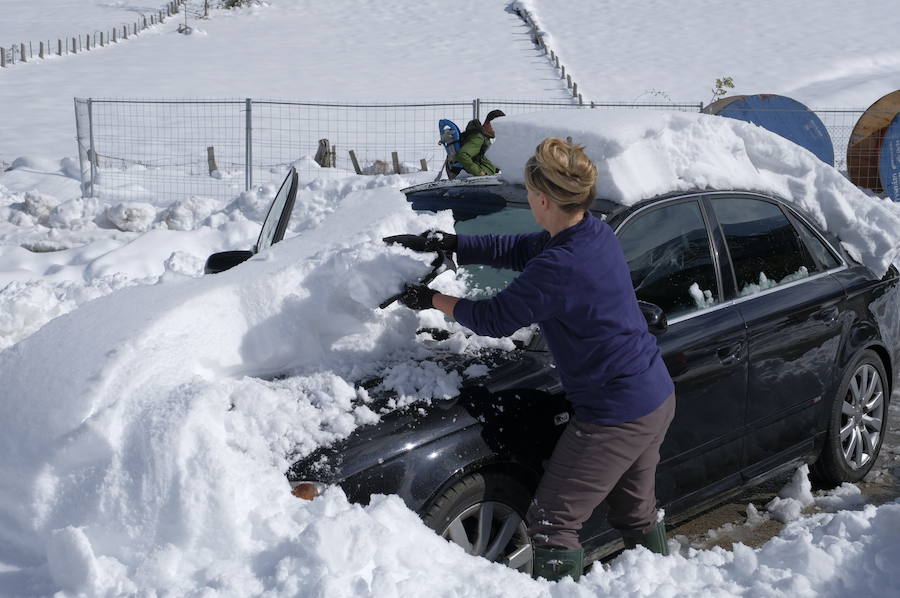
<point x="674" y="264"/>
<point x="791" y="306"/>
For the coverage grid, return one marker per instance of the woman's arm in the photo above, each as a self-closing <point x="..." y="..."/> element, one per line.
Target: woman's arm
<point x="444" y="303"/>
<point x="511" y="252"/>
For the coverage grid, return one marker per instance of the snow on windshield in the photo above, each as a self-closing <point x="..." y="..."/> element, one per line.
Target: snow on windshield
<point x="641" y="154"/>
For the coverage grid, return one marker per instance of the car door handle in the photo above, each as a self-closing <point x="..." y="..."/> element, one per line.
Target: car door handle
<point x="731" y="354"/>
<point x="828" y="316"/>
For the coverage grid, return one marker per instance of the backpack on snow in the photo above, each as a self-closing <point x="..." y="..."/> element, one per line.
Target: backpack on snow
<point x="451" y="139"/>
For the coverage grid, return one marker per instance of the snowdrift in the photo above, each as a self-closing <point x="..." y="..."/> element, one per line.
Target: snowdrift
<point x="641" y="154"/>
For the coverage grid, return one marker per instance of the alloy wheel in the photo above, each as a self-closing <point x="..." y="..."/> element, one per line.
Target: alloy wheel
<point x="494" y="531"/>
<point x="861" y="416"/>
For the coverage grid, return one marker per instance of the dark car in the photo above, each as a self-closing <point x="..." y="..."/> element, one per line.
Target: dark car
<point x="782" y="348"/>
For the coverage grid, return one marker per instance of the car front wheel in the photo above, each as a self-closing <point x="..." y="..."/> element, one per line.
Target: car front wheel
<point x="484" y="514"/>
<point x="857" y="424"/>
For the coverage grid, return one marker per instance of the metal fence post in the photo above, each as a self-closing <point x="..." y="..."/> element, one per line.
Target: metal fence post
<point x="248" y="152"/>
<point x="476" y="108"/>
<point x="93" y="154"/>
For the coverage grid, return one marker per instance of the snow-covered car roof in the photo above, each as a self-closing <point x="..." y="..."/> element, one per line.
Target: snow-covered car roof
<point x="642" y="154"/>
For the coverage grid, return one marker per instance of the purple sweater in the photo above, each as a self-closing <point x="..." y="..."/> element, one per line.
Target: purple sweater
<point x="577" y="287"/>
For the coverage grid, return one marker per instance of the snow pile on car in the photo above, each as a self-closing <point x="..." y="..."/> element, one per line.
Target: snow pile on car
<point x="642" y="154"/>
<point x="138" y="434"/>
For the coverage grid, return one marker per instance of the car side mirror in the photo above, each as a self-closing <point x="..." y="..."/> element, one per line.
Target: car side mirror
<point x="657" y="322"/>
<point x="225" y="260"/>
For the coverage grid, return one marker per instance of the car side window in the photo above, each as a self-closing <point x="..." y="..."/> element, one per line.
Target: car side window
<point x="669" y="255"/>
<point x="765" y="248"/>
<point x="815" y="245"/>
<point x="487" y="281"/>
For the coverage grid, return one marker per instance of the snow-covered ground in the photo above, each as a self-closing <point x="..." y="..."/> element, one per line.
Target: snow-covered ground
<point x="830" y="54"/>
<point x="143" y="438"/>
<point x="42" y="20"/>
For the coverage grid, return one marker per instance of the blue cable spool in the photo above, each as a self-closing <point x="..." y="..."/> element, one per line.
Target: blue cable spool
<point x="782" y="115"/>
<point x="889" y="160"/>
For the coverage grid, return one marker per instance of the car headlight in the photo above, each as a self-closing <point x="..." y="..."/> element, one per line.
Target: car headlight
<point x="307" y="490"/>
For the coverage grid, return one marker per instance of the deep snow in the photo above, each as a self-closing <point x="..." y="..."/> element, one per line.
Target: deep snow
<point x="143" y="435"/>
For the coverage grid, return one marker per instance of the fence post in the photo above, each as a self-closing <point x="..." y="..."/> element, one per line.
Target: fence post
<point x="22" y="52"/>
<point x="2" y="57"/>
<point x="355" y="162"/>
<point x="93" y="154"/>
<point x="74" y="46"/>
<point x="41" y="51"/>
<point x="59" y="44"/>
<point x="396" y="160"/>
<point x="248" y="153"/>
<point x="476" y="108"/>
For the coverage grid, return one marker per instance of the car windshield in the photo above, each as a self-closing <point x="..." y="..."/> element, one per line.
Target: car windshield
<point x="487" y="281"/>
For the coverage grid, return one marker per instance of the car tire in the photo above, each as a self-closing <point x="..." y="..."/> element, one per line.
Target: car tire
<point x="857" y="423"/>
<point x="484" y="513"/>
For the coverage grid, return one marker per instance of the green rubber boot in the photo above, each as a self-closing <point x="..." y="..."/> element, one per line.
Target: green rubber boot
<point x="654" y="539"/>
<point x="555" y="563"/>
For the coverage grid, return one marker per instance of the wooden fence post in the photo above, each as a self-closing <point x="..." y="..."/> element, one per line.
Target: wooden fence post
<point x="124" y="31"/>
<point x="396" y="160"/>
<point x="575" y="89"/>
<point x="22" y="52"/>
<point x="355" y="163"/>
<point x="563" y="75"/>
<point x="569" y="81"/>
<point x="580" y="100"/>
<point x="74" y="46"/>
<point x="41" y="51"/>
<point x="211" y="159"/>
<point x="3" y="57"/>
<point x="424" y="163"/>
<point x="323" y="154"/>
<point x="114" y="36"/>
<point x="59" y="50"/>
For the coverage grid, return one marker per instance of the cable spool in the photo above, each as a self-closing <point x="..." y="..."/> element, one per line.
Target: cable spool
<point x="781" y="115"/>
<point x="873" y="153"/>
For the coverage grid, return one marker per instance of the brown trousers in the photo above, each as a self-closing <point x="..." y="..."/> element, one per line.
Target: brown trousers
<point x="593" y="462"/>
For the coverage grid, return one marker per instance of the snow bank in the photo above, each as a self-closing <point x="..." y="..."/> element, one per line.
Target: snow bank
<point x="136" y="437"/>
<point x="825" y="555"/>
<point x="641" y="154"/>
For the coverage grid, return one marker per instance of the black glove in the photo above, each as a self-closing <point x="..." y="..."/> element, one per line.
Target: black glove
<point x="430" y="240"/>
<point x="417" y="297"/>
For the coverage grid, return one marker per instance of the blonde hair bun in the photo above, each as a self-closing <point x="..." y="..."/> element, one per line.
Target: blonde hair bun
<point x="563" y="172"/>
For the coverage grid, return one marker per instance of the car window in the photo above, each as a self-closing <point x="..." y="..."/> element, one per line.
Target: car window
<point x="487" y="281"/>
<point x="814" y="244"/>
<point x="668" y="253"/>
<point x="765" y="248"/>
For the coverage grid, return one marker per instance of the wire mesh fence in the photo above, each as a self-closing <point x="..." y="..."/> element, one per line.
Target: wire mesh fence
<point x="164" y="150"/>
